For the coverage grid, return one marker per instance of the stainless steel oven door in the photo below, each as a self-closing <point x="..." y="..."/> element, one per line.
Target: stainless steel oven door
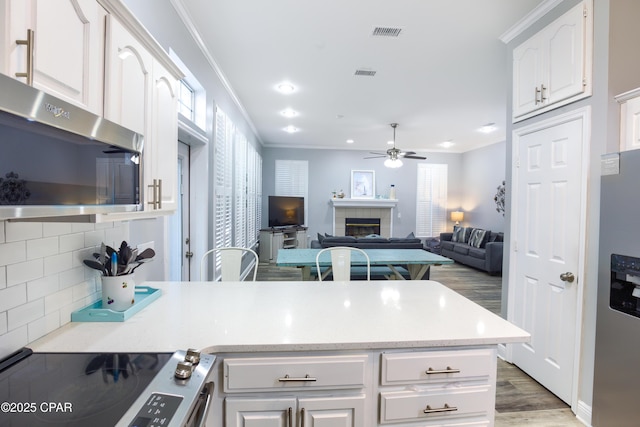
<point x="199" y="414"/>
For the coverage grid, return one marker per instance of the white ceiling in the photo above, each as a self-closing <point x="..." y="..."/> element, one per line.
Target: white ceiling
<point x="441" y="79"/>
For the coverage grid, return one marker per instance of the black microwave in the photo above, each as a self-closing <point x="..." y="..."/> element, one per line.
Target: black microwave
<point x="60" y="160"/>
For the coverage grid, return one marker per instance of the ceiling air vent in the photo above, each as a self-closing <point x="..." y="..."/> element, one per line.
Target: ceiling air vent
<point x="362" y="72"/>
<point x="386" y="32"/>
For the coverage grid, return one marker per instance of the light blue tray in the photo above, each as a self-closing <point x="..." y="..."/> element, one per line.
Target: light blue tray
<point x="95" y="313"/>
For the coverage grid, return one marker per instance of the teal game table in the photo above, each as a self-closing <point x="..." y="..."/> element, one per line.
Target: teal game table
<point x="416" y="262"/>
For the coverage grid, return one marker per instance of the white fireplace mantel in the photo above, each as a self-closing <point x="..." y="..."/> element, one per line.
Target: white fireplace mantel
<point x="364" y="208"/>
<point x="364" y="203"/>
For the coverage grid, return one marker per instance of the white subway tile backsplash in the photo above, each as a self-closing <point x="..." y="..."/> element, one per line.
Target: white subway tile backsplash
<point x="71" y="242"/>
<point x="72" y="277"/>
<point x="93" y="238"/>
<point x="3" y="323"/>
<point x="13" y="297"/>
<point x="13" y="340"/>
<point x="42" y="277"/>
<point x="56" y="301"/>
<point x="25" y="313"/>
<point x="57" y="263"/>
<point x="11" y="253"/>
<point x="55" y="228"/>
<point x="23" y="231"/>
<point x="43" y="326"/>
<point x="39" y="248"/>
<point x="42" y="287"/>
<point x="24" y="271"/>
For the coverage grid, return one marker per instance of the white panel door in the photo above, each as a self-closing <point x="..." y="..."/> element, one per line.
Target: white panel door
<point x="547" y="244"/>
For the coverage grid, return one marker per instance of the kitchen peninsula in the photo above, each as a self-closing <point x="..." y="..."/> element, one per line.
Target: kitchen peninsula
<point x="373" y="352"/>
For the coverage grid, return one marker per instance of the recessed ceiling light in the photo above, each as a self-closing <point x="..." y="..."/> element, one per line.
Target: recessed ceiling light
<point x="446" y="144"/>
<point x="291" y="129"/>
<point x="286" y="88"/>
<point x="350" y="141"/>
<point x="488" y="128"/>
<point x="289" y="112"/>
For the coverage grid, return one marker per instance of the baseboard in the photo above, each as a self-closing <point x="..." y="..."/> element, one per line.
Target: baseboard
<point x="583" y="413"/>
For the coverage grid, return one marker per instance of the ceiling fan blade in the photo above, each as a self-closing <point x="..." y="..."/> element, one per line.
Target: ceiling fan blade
<point x="379" y="153"/>
<point x="406" y="153"/>
<point x="375" y="157"/>
<point x="414" y="157"/>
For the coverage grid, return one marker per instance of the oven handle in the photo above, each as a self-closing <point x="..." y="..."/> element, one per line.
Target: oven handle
<point x="208" y="388"/>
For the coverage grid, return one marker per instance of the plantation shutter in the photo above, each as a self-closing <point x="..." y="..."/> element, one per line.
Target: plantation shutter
<point x="222" y="191"/>
<point x="431" y="214"/>
<point x="241" y="190"/>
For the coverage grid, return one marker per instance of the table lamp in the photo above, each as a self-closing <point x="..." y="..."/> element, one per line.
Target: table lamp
<point x="457" y="216"/>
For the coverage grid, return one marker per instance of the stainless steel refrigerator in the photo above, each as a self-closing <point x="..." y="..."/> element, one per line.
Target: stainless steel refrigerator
<point x="616" y="387"/>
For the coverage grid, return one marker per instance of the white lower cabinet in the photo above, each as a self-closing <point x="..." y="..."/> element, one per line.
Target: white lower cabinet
<point x="327" y="411"/>
<point x="401" y="388"/>
<point x="438" y="388"/>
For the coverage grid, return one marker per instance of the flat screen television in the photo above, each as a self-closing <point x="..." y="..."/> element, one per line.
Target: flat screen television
<point x="286" y="211"/>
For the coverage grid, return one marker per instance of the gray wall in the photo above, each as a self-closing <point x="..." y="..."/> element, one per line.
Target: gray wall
<point x="473" y="178"/>
<point x="483" y="170"/>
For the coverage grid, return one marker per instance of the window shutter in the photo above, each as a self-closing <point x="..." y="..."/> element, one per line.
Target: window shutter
<point x="431" y="214"/>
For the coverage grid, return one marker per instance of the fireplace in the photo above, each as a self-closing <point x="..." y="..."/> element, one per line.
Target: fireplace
<point x="359" y="227"/>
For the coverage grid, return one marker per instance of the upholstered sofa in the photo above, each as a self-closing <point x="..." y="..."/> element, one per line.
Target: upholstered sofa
<point x="369" y="242"/>
<point x="484" y="254"/>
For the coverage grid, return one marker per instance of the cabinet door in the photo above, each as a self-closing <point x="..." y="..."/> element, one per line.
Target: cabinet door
<point x="161" y="158"/>
<point x="127" y="80"/>
<point x="565" y="49"/>
<point x="527" y="76"/>
<point x="345" y="411"/>
<point x="67" y="47"/>
<point x="630" y="125"/>
<point x="259" y="412"/>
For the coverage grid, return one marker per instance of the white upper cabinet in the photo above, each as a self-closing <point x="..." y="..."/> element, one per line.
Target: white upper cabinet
<point x="629" y="119"/>
<point x="56" y="46"/>
<point x="553" y="67"/>
<point x="127" y="80"/>
<point x="141" y="94"/>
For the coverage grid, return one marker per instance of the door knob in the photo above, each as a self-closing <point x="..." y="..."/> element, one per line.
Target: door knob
<point x="567" y="277"/>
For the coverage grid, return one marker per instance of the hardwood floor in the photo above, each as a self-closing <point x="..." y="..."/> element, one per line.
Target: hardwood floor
<point x="520" y="400"/>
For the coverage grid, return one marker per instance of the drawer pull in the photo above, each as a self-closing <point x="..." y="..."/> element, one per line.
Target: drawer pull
<point x="446" y="408"/>
<point x="290" y="416"/>
<point x="449" y="370"/>
<point x="287" y="378"/>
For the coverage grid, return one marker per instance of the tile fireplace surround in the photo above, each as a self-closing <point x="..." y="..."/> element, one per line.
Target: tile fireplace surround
<point x="363" y="208"/>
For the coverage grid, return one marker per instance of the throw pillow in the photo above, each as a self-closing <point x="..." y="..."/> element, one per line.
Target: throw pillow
<point x="459" y="234"/>
<point x="478" y="238"/>
<point x="411" y="236"/>
<point x="320" y="238"/>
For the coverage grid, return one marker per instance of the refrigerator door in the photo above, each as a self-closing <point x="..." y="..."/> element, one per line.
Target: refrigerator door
<point x="616" y="385"/>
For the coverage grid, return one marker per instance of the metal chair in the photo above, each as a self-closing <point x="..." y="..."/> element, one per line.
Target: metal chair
<point x="231" y="263"/>
<point x="341" y="262"/>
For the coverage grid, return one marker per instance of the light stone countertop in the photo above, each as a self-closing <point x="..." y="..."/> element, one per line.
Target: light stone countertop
<point x="291" y="316"/>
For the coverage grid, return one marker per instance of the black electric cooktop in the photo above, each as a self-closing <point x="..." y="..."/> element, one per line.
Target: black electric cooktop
<point x="74" y="389"/>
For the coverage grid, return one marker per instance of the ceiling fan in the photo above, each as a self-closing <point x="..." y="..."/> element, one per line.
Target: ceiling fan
<point x="395" y="154"/>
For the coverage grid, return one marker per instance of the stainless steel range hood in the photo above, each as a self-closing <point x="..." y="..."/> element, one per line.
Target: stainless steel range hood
<point x="60" y="162"/>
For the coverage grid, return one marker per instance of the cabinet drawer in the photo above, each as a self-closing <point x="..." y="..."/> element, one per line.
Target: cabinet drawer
<point x="473" y="404"/>
<point x="436" y="366"/>
<point x="294" y="373"/>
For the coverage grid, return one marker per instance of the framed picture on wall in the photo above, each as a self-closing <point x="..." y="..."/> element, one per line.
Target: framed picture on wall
<point x="363" y="184"/>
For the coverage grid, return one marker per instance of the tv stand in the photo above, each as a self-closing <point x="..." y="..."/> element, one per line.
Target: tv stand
<point x="273" y="239"/>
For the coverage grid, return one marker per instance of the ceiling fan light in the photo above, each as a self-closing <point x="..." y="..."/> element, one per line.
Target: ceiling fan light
<point x="393" y="163"/>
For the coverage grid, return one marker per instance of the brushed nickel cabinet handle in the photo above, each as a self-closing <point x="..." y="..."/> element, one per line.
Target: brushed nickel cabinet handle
<point x="537" y="92"/>
<point x="159" y="199"/>
<point x="29" y="42"/>
<point x="542" y="97"/>
<point x="154" y="193"/>
<point x="306" y="378"/>
<point x="302" y="417"/>
<point x="290" y="416"/>
<point x="445" y="408"/>
<point x="449" y="370"/>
